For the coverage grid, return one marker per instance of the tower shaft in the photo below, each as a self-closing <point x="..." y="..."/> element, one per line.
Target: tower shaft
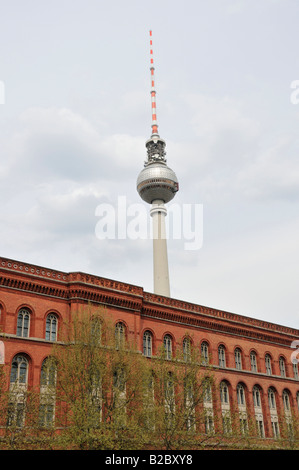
<point x="160" y="259"/>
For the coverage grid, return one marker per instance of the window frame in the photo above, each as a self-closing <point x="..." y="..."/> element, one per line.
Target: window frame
<point x="147" y="344"/>
<point x="168" y="350"/>
<point x="23" y="323"/>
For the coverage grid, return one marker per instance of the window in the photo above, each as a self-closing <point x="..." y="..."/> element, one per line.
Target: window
<point x="19" y="370"/>
<point x="2" y="352"/>
<point x="96" y="327"/>
<point x="282" y="367"/>
<point x="286" y="400"/>
<point x="224" y="393"/>
<point x="168" y="347"/>
<point x="209" y="423"/>
<point x="268" y="364"/>
<point x="297" y="398"/>
<point x="238" y="359"/>
<point x="243" y="425"/>
<point x="51" y="327"/>
<point x="189" y="405"/>
<point x="16" y="412"/>
<point x="204" y="353"/>
<point x="147" y="344"/>
<point x="275" y="428"/>
<point x="47" y="393"/>
<point x="120" y="330"/>
<point x="23" y="323"/>
<point x="221" y="356"/>
<point x="207" y="391"/>
<point x="48" y="373"/>
<point x="271" y="399"/>
<point x="260" y="427"/>
<point x="256" y="397"/>
<point x="119" y="380"/>
<point x="169" y="397"/>
<point x="295" y="369"/>
<point x="46" y="414"/>
<point x="187" y="349"/>
<point x="119" y="396"/>
<point x="256" y="392"/>
<point x="240" y="394"/>
<point x="253" y="361"/>
<point x="18" y="386"/>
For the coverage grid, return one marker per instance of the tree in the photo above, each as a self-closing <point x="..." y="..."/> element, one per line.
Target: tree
<point x="99" y="382"/>
<point x="176" y="396"/>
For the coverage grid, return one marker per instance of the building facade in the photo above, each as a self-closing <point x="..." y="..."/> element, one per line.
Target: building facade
<point x="250" y="359"/>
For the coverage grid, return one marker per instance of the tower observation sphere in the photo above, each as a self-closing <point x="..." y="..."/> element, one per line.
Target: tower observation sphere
<point x="157" y="180"/>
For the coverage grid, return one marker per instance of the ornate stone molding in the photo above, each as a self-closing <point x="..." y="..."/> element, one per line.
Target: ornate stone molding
<point x="220" y="314"/>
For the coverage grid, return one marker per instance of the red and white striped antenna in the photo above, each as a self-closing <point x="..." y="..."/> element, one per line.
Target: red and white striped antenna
<point x="153" y="91"/>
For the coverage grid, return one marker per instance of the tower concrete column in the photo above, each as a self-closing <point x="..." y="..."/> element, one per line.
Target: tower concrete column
<point x="161" y="275"/>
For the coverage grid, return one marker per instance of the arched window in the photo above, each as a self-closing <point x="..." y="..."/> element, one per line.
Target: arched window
<point x="221" y="356"/>
<point x="282" y="366"/>
<point x="48" y="373"/>
<point x="238" y="359"/>
<point x="256" y="397"/>
<point x="257" y="402"/>
<point x="225" y="407"/>
<point x="271" y="399"/>
<point x="286" y="400"/>
<point x="51" y="327"/>
<point x="167" y="347"/>
<point x="23" y="323"/>
<point x="224" y="396"/>
<point x="253" y="361"/>
<point x="47" y="393"/>
<point x="273" y="412"/>
<point x="120" y="331"/>
<point x="207" y="391"/>
<point x="205" y="352"/>
<point x="147" y="344"/>
<point x="19" y="370"/>
<point x="268" y="364"/>
<point x="241" y="398"/>
<point x="288" y="413"/>
<point x="241" y="395"/>
<point x="187" y="349"/>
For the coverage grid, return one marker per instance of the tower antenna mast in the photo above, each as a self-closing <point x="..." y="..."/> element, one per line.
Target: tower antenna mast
<point x="153" y="90"/>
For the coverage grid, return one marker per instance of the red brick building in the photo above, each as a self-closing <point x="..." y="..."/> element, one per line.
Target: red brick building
<point x="251" y="359"/>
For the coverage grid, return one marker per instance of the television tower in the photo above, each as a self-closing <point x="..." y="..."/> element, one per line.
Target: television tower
<point x="157" y="185"/>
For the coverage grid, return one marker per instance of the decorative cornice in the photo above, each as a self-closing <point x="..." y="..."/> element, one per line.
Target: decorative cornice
<point x="8" y="265"/>
<point x="158" y="302"/>
<point x="216" y="326"/>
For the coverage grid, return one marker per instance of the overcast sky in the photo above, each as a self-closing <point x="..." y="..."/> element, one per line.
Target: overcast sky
<point x="77" y="113"/>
